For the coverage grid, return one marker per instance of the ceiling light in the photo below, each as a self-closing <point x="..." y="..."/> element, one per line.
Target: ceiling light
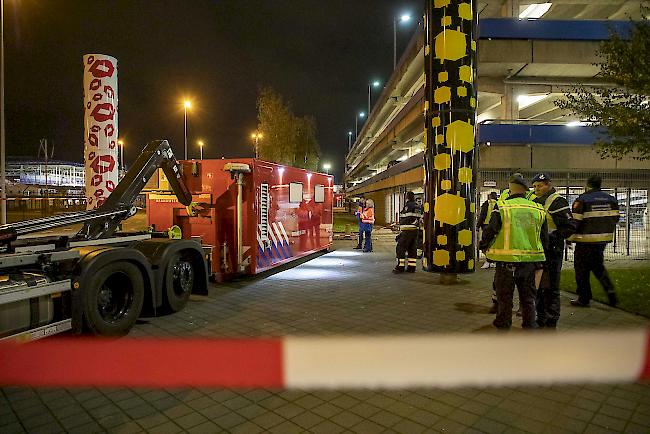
<point x="535" y="10"/>
<point x="528" y="100"/>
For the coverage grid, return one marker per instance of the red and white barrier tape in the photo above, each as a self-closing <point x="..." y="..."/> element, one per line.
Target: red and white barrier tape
<point x="332" y="362"/>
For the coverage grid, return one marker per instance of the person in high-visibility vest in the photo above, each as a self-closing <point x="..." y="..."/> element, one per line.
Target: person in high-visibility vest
<point x="409" y="226"/>
<point x="360" y="206"/>
<point x="368" y="220"/>
<point x="484" y="216"/>
<point x="560" y="227"/>
<point x="515" y="239"/>
<point x="596" y="214"/>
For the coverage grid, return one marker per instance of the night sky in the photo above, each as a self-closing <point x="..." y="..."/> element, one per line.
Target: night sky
<point x="319" y="54"/>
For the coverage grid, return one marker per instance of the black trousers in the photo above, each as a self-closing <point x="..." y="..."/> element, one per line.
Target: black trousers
<point x="548" y="295"/>
<point x="588" y="258"/>
<point x="406" y="250"/>
<point x="507" y="276"/>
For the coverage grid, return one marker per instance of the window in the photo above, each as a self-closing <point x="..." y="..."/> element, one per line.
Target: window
<point x="319" y="193"/>
<point x="295" y="192"/>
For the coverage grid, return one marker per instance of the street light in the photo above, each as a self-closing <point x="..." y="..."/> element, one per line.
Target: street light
<point x="370" y="86"/>
<point x="256" y="136"/>
<point x="404" y="18"/>
<point x="186" y="105"/>
<point x="356" y="124"/>
<point x="327" y="167"/>
<point x="121" y="143"/>
<point x="349" y="140"/>
<point x="3" y="187"/>
<point x="201" y="147"/>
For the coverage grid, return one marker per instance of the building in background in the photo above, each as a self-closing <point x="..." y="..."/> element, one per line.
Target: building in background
<point x="530" y="54"/>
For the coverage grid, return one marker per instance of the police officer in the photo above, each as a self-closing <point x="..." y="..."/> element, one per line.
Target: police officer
<point x="560" y="227"/>
<point x="484" y="216"/>
<point x="596" y="214"/>
<point x="515" y="240"/>
<point x="409" y="225"/>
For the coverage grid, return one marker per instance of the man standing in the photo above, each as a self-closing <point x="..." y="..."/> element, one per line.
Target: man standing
<point x="596" y="214"/>
<point x="515" y="240"/>
<point x="484" y="216"/>
<point x="360" y="207"/>
<point x="560" y="227"/>
<point x="409" y="225"/>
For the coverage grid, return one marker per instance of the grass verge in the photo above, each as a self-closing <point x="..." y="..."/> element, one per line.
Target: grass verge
<point x="632" y="288"/>
<point x="342" y="219"/>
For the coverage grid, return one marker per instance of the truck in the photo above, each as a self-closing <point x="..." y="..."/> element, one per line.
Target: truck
<point x="101" y="279"/>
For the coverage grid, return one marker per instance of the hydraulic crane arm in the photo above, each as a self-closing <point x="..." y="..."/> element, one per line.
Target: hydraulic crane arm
<point x="103" y="221"/>
<point x="157" y="154"/>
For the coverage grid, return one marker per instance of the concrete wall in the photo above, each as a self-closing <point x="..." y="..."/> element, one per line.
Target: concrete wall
<point x="551" y="157"/>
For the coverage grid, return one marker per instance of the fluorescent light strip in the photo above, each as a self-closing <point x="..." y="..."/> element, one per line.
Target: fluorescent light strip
<point x="535" y="10"/>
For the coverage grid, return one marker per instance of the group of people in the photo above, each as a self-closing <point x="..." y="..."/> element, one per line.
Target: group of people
<point x="366" y="217"/>
<point x="524" y="233"/>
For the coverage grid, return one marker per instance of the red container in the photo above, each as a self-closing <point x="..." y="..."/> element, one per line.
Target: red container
<point x="286" y="213"/>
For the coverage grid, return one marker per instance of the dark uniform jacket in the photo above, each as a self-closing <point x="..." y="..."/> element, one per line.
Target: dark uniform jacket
<point x="596" y="214"/>
<point x="409" y="217"/>
<point x="562" y="226"/>
<point x="494" y="227"/>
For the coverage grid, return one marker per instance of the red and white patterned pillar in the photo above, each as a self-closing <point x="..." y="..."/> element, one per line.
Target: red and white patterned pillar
<point x="100" y="127"/>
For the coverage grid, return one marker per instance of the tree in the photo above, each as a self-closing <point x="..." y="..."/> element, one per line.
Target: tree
<point x="287" y="139"/>
<point x="624" y="108"/>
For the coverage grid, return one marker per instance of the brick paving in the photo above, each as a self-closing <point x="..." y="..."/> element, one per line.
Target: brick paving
<point x="343" y="292"/>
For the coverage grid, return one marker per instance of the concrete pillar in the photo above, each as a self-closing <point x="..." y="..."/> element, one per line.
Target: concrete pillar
<point x="450" y="139"/>
<point x="509" y="103"/>
<point x="510" y="9"/>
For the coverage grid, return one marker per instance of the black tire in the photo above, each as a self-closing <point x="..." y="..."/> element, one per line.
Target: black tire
<point x="179" y="281"/>
<point x="113" y="300"/>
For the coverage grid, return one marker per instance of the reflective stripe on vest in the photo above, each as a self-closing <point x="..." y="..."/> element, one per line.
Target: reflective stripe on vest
<point x="491" y="204"/>
<point x="519" y="237"/>
<point x="549" y="218"/>
<point x="592" y="238"/>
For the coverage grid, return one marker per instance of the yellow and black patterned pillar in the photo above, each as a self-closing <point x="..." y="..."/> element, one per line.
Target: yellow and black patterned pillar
<point x="450" y="113"/>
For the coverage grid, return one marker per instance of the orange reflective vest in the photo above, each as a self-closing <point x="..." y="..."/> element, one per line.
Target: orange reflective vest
<point x="368" y="216"/>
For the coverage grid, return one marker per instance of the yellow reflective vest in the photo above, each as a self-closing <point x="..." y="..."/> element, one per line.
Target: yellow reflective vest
<point x="519" y="237"/>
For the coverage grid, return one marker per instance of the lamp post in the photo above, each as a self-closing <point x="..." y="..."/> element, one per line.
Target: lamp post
<point x="3" y="187"/>
<point x="327" y="167"/>
<point x="356" y="124"/>
<point x="256" y="136"/>
<point x="349" y="140"/>
<point x="370" y="86"/>
<point x="186" y="105"/>
<point x="404" y="18"/>
<point x="201" y="148"/>
<point x="121" y="143"/>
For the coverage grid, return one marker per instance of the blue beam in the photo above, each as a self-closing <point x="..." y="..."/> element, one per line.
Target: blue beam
<point x="554" y="30"/>
<point x="536" y="134"/>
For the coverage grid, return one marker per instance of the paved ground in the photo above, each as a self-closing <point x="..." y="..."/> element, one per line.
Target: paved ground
<point x="351" y="293"/>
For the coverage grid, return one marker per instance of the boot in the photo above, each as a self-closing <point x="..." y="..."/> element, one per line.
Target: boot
<point x="410" y="269"/>
<point x="398" y="270"/>
<point x="611" y="296"/>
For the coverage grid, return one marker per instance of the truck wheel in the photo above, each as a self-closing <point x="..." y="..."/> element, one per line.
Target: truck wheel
<point x="179" y="281"/>
<point x="114" y="298"/>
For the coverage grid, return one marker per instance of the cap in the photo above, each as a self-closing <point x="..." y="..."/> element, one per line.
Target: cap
<point x="542" y="177"/>
<point x="517" y="178"/>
